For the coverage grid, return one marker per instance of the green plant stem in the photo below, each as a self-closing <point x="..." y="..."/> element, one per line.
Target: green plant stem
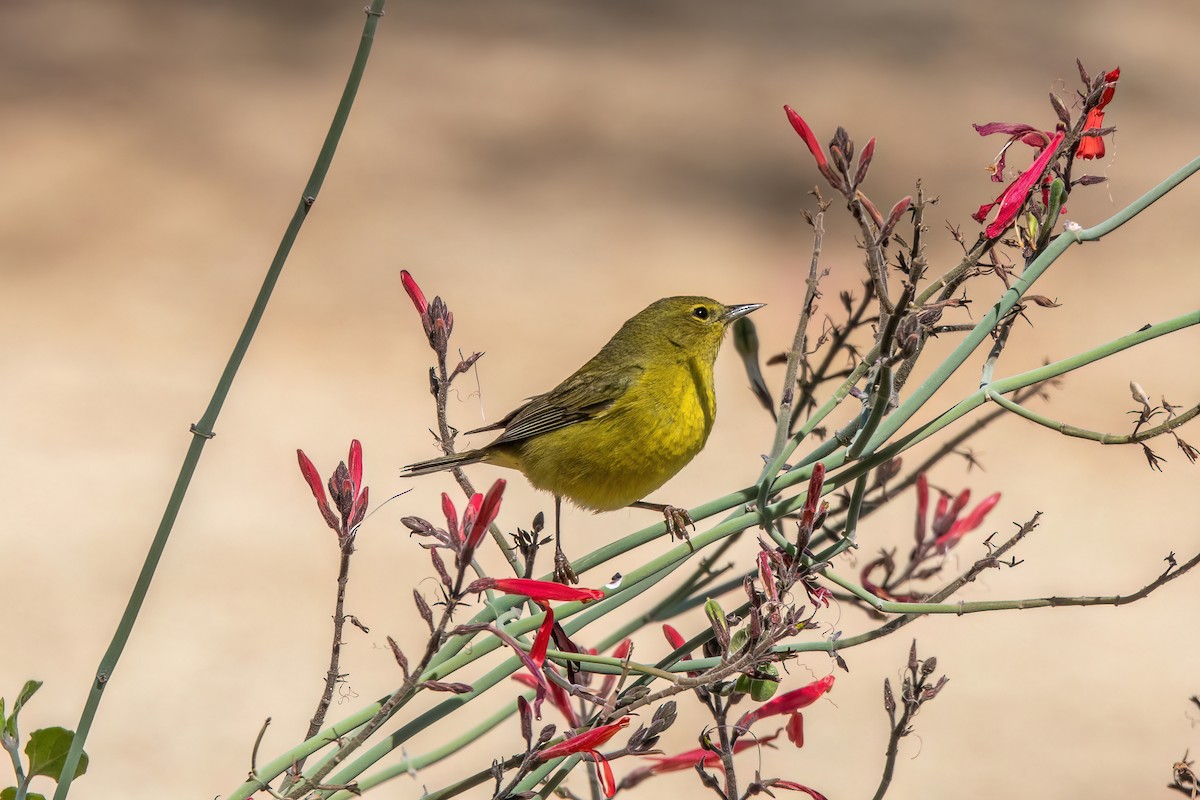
<point x="1095" y="436"/>
<point x="855" y="508"/>
<point x="414" y="763"/>
<point x="537" y="776"/>
<point x="202" y="431"/>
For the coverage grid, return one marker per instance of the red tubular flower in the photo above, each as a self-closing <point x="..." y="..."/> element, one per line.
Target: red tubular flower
<point x="1013" y="198"/>
<point x="538" y="591"/>
<point x="788" y="702"/>
<point x="1093" y="146"/>
<point x="961" y="527"/>
<point x="583" y="742"/>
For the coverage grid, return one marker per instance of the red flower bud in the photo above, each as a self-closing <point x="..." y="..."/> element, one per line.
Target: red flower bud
<point x="414" y="292"/>
<point x="451" y="516"/>
<point x="674" y="637"/>
<point x="480" y="513"/>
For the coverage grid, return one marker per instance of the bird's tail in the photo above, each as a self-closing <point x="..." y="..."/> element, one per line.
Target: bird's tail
<point x="443" y="463"/>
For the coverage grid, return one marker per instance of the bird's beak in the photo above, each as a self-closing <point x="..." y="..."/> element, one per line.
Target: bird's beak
<point x="736" y="312"/>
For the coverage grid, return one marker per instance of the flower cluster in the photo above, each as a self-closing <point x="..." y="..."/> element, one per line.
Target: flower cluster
<point x="1041" y="173"/>
<point x="350" y="497"/>
<point x="949" y="526"/>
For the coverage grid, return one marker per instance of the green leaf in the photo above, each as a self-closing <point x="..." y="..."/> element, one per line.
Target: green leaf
<point x="11" y="794"/>
<point x="27" y="691"/>
<point x="47" y="751"/>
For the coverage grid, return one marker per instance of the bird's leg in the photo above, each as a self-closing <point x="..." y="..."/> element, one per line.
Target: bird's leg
<point x="677" y="519"/>
<point x="562" y="566"/>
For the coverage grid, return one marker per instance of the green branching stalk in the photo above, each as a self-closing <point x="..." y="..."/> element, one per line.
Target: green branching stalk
<point x="1095" y="436"/>
<point x="203" y="430"/>
<point x="878" y="446"/>
<point x="648" y="574"/>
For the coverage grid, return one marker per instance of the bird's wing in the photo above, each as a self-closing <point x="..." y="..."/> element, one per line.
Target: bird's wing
<point x="580" y="397"/>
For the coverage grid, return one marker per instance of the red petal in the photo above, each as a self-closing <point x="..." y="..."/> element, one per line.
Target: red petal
<point x="1092" y="146"/>
<point x="1110" y="79"/>
<point x="311" y="477"/>
<point x="604" y="769"/>
<point x="318" y="489"/>
<point x="795" y="729"/>
<point x="356" y="463"/>
<point x="674" y="637"/>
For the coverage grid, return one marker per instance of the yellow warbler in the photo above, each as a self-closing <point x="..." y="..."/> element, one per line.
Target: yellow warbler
<point x="625" y="422"/>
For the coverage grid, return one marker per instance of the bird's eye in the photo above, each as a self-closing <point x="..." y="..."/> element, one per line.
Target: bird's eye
<point x="700" y="312"/>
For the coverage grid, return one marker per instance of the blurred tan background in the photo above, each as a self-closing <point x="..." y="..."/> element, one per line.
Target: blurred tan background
<point x="549" y="168"/>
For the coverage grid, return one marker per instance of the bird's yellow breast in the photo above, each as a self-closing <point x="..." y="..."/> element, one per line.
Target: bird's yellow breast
<point x="648" y="434"/>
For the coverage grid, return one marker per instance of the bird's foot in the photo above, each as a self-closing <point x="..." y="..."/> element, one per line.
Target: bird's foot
<point x="562" y="569"/>
<point x="678" y="521"/>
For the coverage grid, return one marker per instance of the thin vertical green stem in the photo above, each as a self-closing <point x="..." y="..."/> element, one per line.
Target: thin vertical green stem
<point x="202" y="431"/>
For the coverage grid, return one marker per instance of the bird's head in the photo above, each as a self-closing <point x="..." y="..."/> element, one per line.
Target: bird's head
<point x="693" y="325"/>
